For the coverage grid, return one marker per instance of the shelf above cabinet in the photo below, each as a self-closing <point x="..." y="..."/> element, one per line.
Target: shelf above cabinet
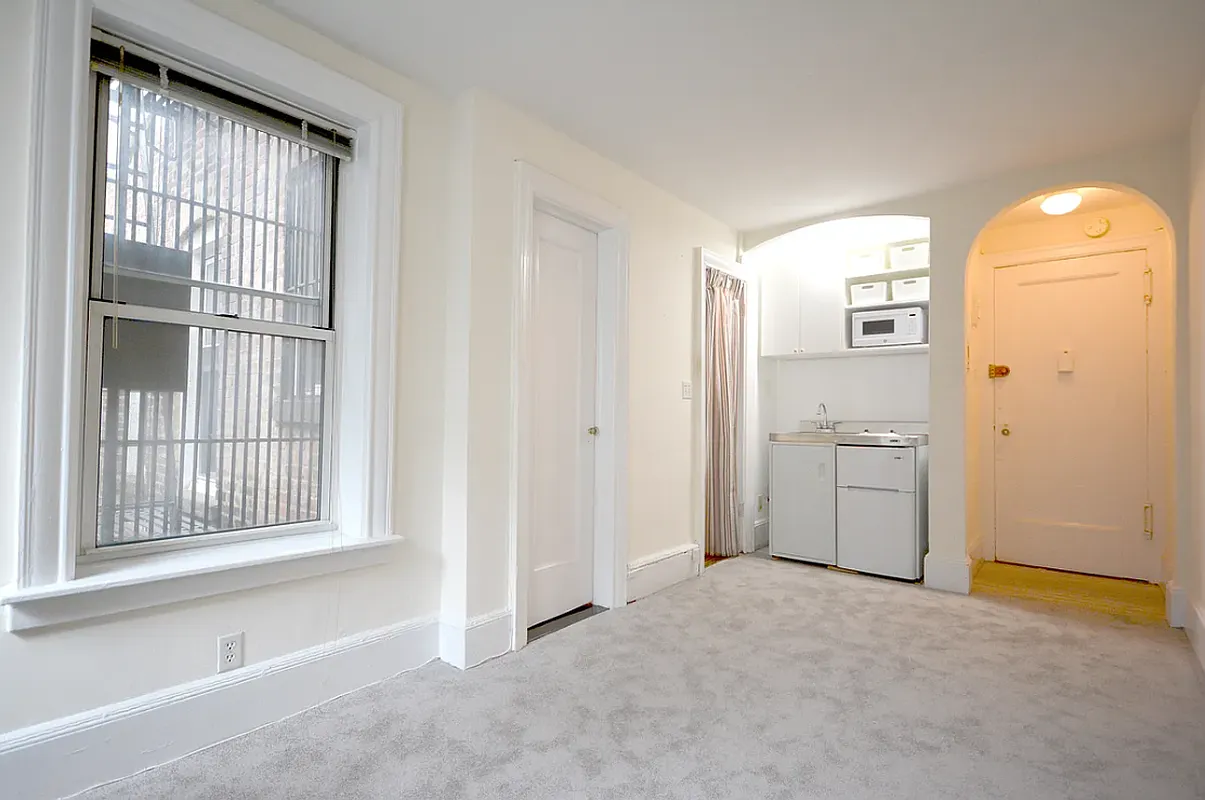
<point x="889" y="304"/>
<point x="888" y="275"/>
<point x="857" y="352"/>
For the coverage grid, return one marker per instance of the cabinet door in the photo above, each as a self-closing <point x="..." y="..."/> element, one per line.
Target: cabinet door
<point x="821" y="309"/>
<point x="779" y="312"/>
<point x="803" y="502"/>
<point x="876" y="532"/>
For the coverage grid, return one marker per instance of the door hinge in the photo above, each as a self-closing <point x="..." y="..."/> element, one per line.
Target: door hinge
<point x="1149" y="278"/>
<point x="997" y="371"/>
<point x="1148" y="520"/>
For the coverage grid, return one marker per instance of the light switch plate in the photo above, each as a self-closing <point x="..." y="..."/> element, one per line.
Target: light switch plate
<point x="688" y="391"/>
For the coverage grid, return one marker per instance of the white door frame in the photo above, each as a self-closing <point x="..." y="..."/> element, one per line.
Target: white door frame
<point x="1161" y="366"/>
<point x="537" y="190"/>
<point x="705" y="260"/>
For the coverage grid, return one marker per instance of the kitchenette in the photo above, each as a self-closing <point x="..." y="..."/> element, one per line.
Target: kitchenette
<point x="858" y="501"/>
<point x="843" y="395"/>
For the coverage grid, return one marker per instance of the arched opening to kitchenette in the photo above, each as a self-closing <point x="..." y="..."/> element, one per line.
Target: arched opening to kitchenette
<point x="843" y="394"/>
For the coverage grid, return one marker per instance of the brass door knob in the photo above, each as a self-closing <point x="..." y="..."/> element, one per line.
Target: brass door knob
<point x="1005" y="431"/>
<point x="592" y="430"/>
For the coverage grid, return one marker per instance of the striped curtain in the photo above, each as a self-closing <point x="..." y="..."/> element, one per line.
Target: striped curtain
<point x="725" y="378"/>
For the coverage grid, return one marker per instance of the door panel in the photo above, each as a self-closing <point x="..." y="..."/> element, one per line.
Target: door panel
<point x="877" y="467"/>
<point x="876" y="532"/>
<point x="561" y="407"/>
<point x="803" y="502"/>
<point x="1071" y="417"/>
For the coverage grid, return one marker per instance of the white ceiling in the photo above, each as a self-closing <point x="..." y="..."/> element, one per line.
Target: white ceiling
<point x="766" y="111"/>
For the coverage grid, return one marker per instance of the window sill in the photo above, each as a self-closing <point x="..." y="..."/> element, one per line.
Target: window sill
<point x="149" y="581"/>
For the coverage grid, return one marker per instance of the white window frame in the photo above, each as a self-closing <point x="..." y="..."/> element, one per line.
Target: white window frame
<point x="98" y="310"/>
<point x="52" y="585"/>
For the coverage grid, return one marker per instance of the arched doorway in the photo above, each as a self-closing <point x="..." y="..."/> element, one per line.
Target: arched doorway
<point x="1070" y="386"/>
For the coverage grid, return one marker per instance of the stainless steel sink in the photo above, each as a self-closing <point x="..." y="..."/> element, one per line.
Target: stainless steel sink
<point x="865" y="439"/>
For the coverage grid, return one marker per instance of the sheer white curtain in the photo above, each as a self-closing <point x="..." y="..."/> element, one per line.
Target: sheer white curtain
<point x="725" y="377"/>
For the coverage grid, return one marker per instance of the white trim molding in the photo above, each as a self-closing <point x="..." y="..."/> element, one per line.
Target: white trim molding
<point x="948" y="574"/>
<point x="128" y="584"/>
<point x="52" y="394"/>
<point x="761" y="533"/>
<point x="1196" y="632"/>
<point x="537" y="190"/>
<point x="477" y="640"/>
<point x="663" y="569"/>
<point x="74" y="753"/>
<point x="1176" y="598"/>
<point x="362" y="355"/>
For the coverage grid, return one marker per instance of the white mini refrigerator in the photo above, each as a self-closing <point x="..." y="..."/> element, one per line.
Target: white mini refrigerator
<point x="882" y="510"/>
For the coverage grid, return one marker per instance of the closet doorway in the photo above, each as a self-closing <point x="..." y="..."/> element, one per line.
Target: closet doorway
<point x="727" y="300"/>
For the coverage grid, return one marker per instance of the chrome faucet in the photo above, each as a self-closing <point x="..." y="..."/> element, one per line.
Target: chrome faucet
<point x="823" y="426"/>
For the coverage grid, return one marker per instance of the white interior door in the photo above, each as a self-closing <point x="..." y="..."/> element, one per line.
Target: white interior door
<point x="1071" y="416"/>
<point x="563" y="332"/>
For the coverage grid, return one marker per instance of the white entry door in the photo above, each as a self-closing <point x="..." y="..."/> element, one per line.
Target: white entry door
<point x="561" y="411"/>
<point x="1071" y="416"/>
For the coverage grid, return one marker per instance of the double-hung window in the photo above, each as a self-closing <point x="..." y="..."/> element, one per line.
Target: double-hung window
<point x="209" y="314"/>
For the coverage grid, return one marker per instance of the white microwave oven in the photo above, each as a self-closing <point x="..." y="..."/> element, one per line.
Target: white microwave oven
<point x="888" y="326"/>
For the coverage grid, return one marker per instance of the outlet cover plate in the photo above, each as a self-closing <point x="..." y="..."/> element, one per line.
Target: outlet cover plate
<point x="688" y="391"/>
<point x="230" y="651"/>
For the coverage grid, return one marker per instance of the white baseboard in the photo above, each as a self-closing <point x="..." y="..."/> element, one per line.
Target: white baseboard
<point x="477" y="640"/>
<point x="1176" y="598"/>
<point x="1195" y="628"/>
<point x="975" y="553"/>
<point x="761" y="534"/>
<point x="661" y="570"/>
<point x="68" y="755"/>
<point x="948" y="574"/>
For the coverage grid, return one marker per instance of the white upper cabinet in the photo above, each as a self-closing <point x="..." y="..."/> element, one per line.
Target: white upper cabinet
<point x="780" y="307"/>
<point x="803" y="310"/>
<point x="821" y="309"/>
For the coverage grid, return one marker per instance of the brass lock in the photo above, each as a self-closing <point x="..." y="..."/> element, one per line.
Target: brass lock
<point x="1005" y="431"/>
<point x="592" y="430"/>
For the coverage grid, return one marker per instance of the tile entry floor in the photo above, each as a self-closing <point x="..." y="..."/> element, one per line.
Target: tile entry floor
<point x="1129" y="601"/>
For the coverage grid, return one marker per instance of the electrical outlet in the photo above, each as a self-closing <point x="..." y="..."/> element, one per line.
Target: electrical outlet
<point x="230" y="651"/>
<point x="688" y="391"/>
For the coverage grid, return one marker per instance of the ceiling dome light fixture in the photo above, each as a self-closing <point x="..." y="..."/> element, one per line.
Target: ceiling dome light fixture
<point x="1061" y="203"/>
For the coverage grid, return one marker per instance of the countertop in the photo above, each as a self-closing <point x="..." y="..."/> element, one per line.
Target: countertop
<point x="864" y="439"/>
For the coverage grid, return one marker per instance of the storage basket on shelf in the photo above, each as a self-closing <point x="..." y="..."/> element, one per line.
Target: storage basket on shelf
<point x="865" y="294"/>
<point x="867" y="261"/>
<point x="910" y="289"/>
<point x="910" y="255"/>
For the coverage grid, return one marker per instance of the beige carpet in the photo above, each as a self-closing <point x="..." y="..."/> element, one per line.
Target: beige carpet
<point x="761" y="679"/>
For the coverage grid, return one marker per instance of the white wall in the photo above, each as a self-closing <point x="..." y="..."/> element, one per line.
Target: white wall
<point x="957" y="215"/>
<point x="874" y="390"/>
<point x="69" y="669"/>
<point x="1192" y="547"/>
<point x="664" y="233"/>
